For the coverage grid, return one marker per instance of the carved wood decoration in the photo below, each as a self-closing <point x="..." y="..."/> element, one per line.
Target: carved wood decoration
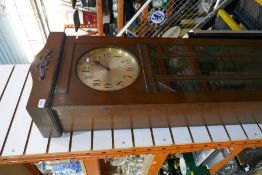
<point x="180" y="82"/>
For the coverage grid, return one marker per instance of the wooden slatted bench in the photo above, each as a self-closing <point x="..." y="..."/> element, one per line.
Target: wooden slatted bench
<point x="21" y="141"/>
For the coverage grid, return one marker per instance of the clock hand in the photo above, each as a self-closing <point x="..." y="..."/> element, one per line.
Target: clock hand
<point x="102" y="65"/>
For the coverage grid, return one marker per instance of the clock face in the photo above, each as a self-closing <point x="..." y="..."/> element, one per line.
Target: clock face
<point x="107" y="69"/>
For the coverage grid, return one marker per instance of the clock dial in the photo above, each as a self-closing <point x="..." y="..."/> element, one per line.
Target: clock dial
<point x="107" y="69"/>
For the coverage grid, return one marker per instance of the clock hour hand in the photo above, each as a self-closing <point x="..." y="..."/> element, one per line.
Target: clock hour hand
<point x="102" y="65"/>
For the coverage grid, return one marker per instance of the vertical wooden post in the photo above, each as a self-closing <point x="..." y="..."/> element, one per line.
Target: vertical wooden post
<point x="234" y="151"/>
<point x="170" y="11"/>
<point x="144" y="21"/>
<point x="92" y="166"/>
<point x="120" y="16"/>
<point x="157" y="163"/>
<point x="145" y="14"/>
<point x="99" y="16"/>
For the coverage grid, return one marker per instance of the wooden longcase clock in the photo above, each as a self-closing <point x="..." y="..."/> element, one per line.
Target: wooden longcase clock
<point x="90" y="83"/>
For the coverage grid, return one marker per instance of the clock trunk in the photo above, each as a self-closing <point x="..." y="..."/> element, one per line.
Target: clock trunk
<point x="180" y="82"/>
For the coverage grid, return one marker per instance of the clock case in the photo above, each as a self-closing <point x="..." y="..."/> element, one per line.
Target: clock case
<point x="60" y="102"/>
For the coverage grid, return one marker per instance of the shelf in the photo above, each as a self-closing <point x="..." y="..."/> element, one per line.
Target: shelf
<point x="21" y="141"/>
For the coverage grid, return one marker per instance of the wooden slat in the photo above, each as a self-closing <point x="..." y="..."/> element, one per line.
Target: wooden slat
<point x="10" y="99"/>
<point x="17" y="137"/>
<point x="81" y="141"/>
<point x="99" y="14"/>
<point x="142" y="137"/>
<point x="253" y="131"/>
<point x="36" y="143"/>
<point x="123" y="138"/>
<point x="181" y="135"/>
<point x="218" y="133"/>
<point x="5" y="72"/>
<point x="162" y="136"/>
<point x="102" y="140"/>
<point x="120" y="16"/>
<point x="200" y="134"/>
<point x="60" y="144"/>
<point x="235" y="132"/>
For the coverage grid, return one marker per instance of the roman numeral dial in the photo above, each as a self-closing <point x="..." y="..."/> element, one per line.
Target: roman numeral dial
<point x="107" y="69"/>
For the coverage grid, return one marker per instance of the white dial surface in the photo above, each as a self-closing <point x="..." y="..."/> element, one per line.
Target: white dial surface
<point x="107" y="69"/>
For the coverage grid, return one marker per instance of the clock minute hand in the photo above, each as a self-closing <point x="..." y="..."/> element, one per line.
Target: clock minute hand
<point x="102" y="65"/>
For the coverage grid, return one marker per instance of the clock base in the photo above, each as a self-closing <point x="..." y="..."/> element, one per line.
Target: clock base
<point x="147" y="116"/>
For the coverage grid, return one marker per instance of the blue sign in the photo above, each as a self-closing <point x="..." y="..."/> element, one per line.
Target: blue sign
<point x="157" y="16"/>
